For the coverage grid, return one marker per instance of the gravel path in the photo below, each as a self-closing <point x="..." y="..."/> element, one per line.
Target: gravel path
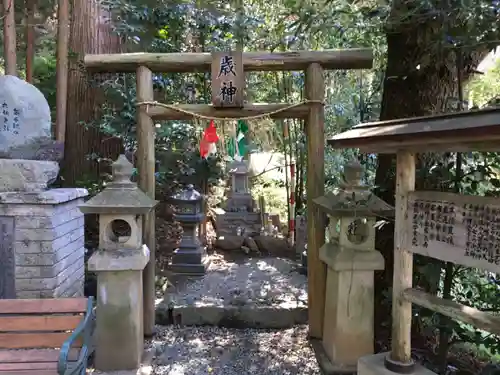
<point x="259" y="281"/>
<point x="220" y="351"/>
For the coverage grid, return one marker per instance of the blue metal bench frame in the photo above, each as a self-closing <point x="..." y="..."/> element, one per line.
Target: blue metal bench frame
<point x="85" y="330"/>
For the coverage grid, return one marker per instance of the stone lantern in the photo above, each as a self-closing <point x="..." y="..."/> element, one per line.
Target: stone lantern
<point x="119" y="263"/>
<point x="351" y="260"/>
<point x="191" y="256"/>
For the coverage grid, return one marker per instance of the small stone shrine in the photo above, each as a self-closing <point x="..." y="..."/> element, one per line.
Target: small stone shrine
<point x="42" y="230"/>
<point x="351" y="260"/>
<point x="191" y="256"/>
<point x="119" y="263"/>
<point x="239" y="213"/>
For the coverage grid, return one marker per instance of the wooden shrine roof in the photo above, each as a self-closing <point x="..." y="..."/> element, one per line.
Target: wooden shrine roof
<point x="462" y="131"/>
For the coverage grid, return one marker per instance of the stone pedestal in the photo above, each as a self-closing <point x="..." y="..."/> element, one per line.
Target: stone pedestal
<point x="26" y="175"/>
<point x="349" y="304"/>
<point x="119" y="328"/>
<point x="42" y="249"/>
<point x="374" y="365"/>
<point x="228" y="222"/>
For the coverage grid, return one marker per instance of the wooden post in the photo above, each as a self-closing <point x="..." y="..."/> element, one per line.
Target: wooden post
<point x="9" y="34"/>
<point x="403" y="265"/>
<point x="146" y="169"/>
<point x="62" y="68"/>
<point x="316" y="269"/>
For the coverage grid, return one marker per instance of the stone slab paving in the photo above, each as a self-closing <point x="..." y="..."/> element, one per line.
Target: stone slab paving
<point x="252" y="293"/>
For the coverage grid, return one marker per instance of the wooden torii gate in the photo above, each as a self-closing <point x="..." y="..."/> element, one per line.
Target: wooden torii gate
<point x="311" y="110"/>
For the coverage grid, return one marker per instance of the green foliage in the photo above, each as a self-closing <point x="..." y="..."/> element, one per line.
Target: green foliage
<point x="44" y="75"/>
<point x="273" y="193"/>
<point x="482" y="89"/>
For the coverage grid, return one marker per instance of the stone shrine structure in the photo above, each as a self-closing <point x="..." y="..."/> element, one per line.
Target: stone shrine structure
<point x="239" y="214"/>
<point x="41" y="229"/>
<point x="119" y="263"/>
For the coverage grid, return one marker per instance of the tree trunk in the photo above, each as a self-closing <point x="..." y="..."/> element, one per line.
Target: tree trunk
<point x="9" y="37"/>
<point x="30" y="38"/>
<point x="90" y="33"/>
<point x="62" y="68"/>
<point x="420" y="80"/>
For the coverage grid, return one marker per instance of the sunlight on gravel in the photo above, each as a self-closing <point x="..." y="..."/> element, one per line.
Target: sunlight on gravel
<point x="260" y="281"/>
<point x="221" y="351"/>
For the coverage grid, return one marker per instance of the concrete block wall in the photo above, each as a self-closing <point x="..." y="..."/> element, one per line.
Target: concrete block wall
<point x="48" y="244"/>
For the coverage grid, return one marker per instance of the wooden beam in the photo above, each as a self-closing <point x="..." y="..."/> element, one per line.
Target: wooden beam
<point x="458" y="144"/>
<point x="356" y="58"/>
<point x="315" y="130"/>
<point x="479" y="319"/>
<point x="403" y="261"/>
<point x="158" y="112"/>
<point x="146" y="169"/>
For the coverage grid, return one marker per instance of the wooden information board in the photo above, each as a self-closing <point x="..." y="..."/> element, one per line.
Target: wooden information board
<point x="456" y="228"/>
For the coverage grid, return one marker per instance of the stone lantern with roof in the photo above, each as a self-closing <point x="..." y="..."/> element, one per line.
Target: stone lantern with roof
<point x="191" y="256"/>
<point x="351" y="260"/>
<point x="119" y="263"/>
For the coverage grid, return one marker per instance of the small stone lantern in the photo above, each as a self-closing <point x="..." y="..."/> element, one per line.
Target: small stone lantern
<point x="351" y="260"/>
<point x="191" y="256"/>
<point x="119" y="263"/>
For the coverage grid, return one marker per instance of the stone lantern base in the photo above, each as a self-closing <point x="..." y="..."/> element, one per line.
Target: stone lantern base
<point x="348" y="334"/>
<point x="119" y="328"/>
<point x="190" y="258"/>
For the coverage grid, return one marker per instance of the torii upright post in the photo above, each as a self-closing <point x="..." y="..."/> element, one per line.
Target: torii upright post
<point x="315" y="132"/>
<point x="146" y="169"/>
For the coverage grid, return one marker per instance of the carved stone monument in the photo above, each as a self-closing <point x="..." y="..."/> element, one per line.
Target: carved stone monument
<point x="41" y="239"/>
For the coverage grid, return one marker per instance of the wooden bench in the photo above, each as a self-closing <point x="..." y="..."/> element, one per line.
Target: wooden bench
<point x="45" y="336"/>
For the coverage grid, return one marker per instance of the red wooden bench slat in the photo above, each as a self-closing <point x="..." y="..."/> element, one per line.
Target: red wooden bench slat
<point x="43" y="306"/>
<point x="28" y="366"/>
<point x="39" y="323"/>
<point x="49" y="340"/>
<point x="29" y="372"/>
<point x="34" y="355"/>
